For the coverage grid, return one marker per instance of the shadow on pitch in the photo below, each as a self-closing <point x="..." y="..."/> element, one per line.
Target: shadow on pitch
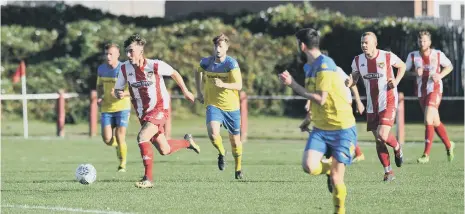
<point x="40" y="181"/>
<point x="267" y="181"/>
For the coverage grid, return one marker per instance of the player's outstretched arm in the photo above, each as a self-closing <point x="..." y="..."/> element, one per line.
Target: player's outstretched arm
<point x="198" y="85"/>
<point x="179" y="80"/>
<point x="318" y="97"/>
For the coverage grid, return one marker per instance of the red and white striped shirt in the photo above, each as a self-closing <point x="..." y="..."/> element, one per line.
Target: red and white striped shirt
<point x="431" y="64"/>
<point x="146" y="85"/>
<point x="375" y="73"/>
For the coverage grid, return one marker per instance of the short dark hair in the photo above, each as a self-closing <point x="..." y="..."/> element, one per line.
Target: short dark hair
<point x="309" y="36"/>
<point x="110" y="45"/>
<point x="134" y="38"/>
<point x="219" y="38"/>
<point x="424" y="33"/>
<point x="324" y="52"/>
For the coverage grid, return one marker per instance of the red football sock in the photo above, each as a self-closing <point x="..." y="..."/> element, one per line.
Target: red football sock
<point x="392" y="142"/>
<point x="176" y="145"/>
<point x="429" y="134"/>
<point x="358" y="152"/>
<point x="383" y="154"/>
<point x="441" y="131"/>
<point x="146" y="151"/>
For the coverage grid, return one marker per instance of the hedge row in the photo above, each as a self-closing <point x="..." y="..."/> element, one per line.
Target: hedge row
<point x="65" y="53"/>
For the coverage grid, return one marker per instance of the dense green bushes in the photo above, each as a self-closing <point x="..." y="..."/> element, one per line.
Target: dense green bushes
<point x="65" y="53"/>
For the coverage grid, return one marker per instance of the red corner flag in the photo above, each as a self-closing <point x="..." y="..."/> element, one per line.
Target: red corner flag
<point x="20" y="71"/>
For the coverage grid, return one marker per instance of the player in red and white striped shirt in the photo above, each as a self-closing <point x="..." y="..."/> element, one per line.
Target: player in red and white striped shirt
<point x="376" y="68"/>
<point x="427" y="63"/>
<point x="151" y="101"/>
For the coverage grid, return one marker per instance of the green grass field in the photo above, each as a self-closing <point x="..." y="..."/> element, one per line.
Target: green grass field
<point x="38" y="175"/>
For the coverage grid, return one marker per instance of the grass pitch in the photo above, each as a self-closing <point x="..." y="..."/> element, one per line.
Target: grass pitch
<point x="38" y="174"/>
<point x="38" y="177"/>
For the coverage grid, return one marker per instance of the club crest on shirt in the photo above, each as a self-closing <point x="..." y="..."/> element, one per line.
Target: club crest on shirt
<point x="149" y="74"/>
<point x="324" y="66"/>
<point x="381" y="64"/>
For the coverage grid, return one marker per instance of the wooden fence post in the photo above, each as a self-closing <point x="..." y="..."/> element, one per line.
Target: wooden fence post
<point x="93" y="108"/>
<point x="400" y="119"/>
<point x="244" y="112"/>
<point x="60" y="112"/>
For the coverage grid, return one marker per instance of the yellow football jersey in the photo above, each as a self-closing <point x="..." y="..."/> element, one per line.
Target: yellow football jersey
<point x="229" y="72"/>
<point x="336" y="113"/>
<point x="107" y="78"/>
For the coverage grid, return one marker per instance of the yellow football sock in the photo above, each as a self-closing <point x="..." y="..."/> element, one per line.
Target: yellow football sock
<point x="123" y="151"/>
<point x="339" y="198"/>
<point x="218" y="144"/>
<point x="237" y="153"/>
<point x="323" y="168"/>
<point x="114" y="143"/>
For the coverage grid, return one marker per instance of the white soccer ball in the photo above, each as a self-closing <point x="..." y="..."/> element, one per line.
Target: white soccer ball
<point x="86" y="174"/>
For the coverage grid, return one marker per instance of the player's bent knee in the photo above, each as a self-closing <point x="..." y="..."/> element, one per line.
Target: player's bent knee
<point x="383" y="137"/>
<point x="431" y="114"/>
<point x="164" y="152"/>
<point x="214" y="136"/>
<point x="107" y="140"/>
<point x="379" y="143"/>
<point x="310" y="169"/>
<point x="314" y="172"/>
<point x="383" y="134"/>
<point x="235" y="140"/>
<point x="141" y="138"/>
<point x="306" y="169"/>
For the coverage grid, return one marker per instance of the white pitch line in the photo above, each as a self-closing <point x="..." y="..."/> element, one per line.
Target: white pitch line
<point x="67" y="209"/>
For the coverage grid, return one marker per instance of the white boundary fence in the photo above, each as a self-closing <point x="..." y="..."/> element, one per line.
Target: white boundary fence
<point x="55" y="96"/>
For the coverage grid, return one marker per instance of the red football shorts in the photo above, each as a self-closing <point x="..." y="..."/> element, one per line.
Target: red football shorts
<point x="433" y="99"/>
<point x="385" y="117"/>
<point x="157" y="117"/>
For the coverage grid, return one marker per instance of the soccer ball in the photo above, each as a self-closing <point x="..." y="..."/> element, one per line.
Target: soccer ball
<point x="86" y="174"/>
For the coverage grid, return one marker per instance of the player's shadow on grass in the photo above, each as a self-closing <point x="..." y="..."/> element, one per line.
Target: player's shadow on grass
<point x="192" y="180"/>
<point x="40" y="181"/>
<point x="117" y="180"/>
<point x="34" y="191"/>
<point x="269" y="181"/>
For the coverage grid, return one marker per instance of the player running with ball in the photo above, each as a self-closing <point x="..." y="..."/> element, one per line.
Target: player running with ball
<point x="334" y="123"/>
<point x="151" y="101"/>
